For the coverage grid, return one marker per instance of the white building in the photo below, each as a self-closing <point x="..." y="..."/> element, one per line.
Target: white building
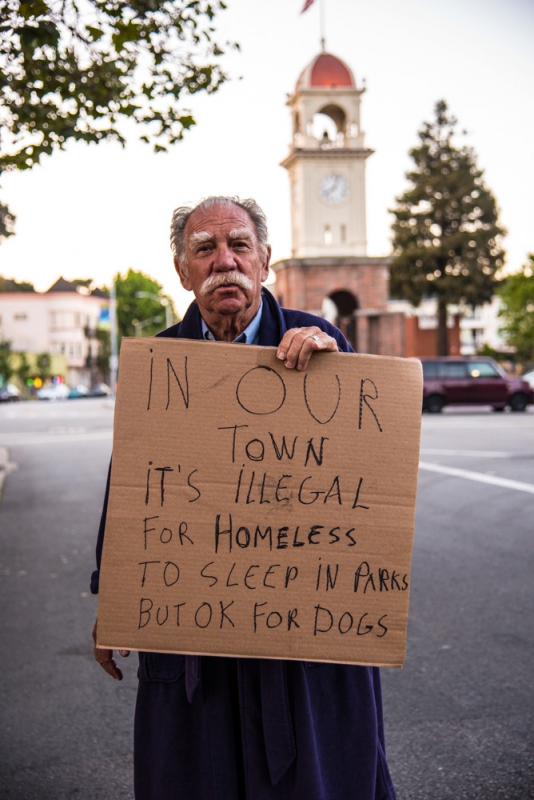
<point x="62" y="320"/>
<point x="478" y="327"/>
<point x="481" y="326"/>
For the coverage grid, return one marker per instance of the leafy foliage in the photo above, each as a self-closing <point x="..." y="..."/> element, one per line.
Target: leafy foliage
<point x="43" y="364"/>
<point x="7" y="222"/>
<point x="6" y="362"/>
<point x="23" y="370"/>
<point x="11" y="285"/>
<point x="86" y="282"/>
<point x="71" y="69"/>
<point x="517" y="295"/>
<point x="132" y="310"/>
<point x="104" y="352"/>
<point x="446" y="236"/>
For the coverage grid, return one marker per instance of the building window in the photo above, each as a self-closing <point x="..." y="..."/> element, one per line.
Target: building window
<point x="72" y="349"/>
<point x="343" y="233"/>
<point x="327" y="235"/>
<point x="63" y="319"/>
<point x="20" y="317"/>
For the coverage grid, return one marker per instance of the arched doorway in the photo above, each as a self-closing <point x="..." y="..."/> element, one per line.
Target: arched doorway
<point x="339" y="308"/>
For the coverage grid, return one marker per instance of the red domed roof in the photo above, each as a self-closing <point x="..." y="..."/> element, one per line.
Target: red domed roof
<point x="326" y="71"/>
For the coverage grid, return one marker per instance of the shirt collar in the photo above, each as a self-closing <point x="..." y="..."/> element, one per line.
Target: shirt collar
<point x="251" y="334"/>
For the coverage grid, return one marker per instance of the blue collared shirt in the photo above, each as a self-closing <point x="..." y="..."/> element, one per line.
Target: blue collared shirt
<point x="251" y="334"/>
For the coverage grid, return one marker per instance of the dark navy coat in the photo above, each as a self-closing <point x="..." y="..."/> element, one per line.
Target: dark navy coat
<point x="209" y="728"/>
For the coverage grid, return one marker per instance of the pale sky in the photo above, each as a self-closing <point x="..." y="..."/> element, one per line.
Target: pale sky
<point x="91" y="211"/>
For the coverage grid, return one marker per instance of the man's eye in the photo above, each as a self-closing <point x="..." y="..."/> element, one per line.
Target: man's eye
<point x="240" y="244"/>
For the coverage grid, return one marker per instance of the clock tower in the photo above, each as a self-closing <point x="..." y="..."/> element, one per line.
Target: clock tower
<point x="326" y="162"/>
<point x="329" y="272"/>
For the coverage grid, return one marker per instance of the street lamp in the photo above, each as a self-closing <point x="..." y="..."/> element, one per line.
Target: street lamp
<point x="163" y="301"/>
<point x="139" y="325"/>
<point x="114" y="356"/>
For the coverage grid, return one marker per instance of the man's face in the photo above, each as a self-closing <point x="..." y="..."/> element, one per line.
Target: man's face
<point x="225" y="267"/>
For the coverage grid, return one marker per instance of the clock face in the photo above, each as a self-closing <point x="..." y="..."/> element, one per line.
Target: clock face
<point x="334" y="189"/>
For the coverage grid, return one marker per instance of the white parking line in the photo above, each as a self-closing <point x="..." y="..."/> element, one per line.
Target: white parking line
<point x="478" y="476"/>
<point x="432" y="451"/>
<point x="37" y="438"/>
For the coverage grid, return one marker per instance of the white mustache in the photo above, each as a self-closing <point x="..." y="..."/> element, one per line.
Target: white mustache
<point x="226" y="279"/>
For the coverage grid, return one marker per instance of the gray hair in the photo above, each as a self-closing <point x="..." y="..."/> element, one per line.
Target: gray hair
<point x="181" y="215"/>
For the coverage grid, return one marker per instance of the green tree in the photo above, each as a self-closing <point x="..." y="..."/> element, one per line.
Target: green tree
<point x="86" y="282"/>
<point x="71" y="70"/>
<point x="24" y="370"/>
<point x="6" y="362"/>
<point x="517" y="312"/>
<point x="11" y="285"/>
<point x="43" y="364"/>
<point x="104" y="352"/>
<point x="7" y="222"/>
<point x="446" y="236"/>
<point x="132" y="311"/>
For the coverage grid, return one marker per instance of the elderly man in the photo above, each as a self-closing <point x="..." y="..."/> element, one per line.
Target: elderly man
<point x="210" y="728"/>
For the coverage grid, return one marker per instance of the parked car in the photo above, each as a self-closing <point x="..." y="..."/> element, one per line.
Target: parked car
<point x="53" y="391"/>
<point x="100" y="390"/>
<point x="475" y="380"/>
<point x="529" y="378"/>
<point x="78" y="391"/>
<point x="10" y="393"/>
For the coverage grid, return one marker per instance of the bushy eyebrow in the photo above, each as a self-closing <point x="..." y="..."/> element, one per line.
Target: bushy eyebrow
<point x="201" y="236"/>
<point x="241" y="233"/>
<point x="205" y="236"/>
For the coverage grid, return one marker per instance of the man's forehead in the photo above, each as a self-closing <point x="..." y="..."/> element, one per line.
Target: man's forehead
<point x="219" y="219"/>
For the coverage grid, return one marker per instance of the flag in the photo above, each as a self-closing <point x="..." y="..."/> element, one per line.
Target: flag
<point x="104" y="321"/>
<point x="306" y="6"/>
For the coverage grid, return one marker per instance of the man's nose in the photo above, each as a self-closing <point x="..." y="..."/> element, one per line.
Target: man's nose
<point x="224" y="258"/>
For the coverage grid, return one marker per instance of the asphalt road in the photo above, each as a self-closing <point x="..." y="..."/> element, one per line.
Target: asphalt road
<point x="459" y="716"/>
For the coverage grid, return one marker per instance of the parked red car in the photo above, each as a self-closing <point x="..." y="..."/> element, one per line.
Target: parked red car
<point x="476" y="380"/>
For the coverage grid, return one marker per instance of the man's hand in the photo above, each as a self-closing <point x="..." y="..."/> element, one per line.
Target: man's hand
<point x="106" y="660"/>
<point x="298" y="344"/>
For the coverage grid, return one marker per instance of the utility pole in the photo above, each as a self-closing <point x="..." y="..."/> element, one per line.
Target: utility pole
<point x="114" y="357"/>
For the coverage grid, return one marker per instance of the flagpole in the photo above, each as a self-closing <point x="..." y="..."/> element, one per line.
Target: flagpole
<point x="322" y="24"/>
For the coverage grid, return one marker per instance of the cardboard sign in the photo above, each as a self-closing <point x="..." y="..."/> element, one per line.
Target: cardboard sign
<point x="258" y="511"/>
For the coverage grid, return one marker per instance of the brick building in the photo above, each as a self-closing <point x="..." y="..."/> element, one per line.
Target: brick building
<point x="330" y="272"/>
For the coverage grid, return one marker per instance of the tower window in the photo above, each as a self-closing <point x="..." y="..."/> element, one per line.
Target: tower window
<point x="324" y="128"/>
<point x="343" y="233"/>
<point x="327" y="235"/>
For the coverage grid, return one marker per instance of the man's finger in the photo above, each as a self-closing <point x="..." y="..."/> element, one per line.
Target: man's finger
<point x="108" y="664"/>
<point x="292" y="343"/>
<point x="286" y="341"/>
<point x="105" y="657"/>
<point x="298" y="344"/>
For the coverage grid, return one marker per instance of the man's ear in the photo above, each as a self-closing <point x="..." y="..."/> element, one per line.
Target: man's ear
<point x="182" y="274"/>
<point x="265" y="265"/>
